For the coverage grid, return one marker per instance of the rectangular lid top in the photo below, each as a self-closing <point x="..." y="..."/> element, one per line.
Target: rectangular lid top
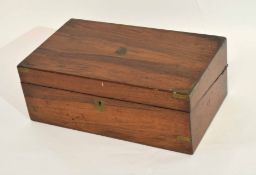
<point x="129" y="55"/>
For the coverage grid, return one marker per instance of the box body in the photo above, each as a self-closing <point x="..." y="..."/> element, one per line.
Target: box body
<point x="156" y="87"/>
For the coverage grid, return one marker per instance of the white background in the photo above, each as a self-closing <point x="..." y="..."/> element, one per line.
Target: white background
<point x="229" y="146"/>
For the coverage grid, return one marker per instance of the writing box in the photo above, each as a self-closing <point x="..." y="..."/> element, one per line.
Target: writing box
<point x="155" y="87"/>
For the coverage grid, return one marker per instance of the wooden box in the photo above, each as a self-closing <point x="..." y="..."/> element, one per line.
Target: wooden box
<point x="155" y="87"/>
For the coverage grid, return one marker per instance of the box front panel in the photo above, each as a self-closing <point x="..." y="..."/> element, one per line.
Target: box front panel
<point x="163" y="128"/>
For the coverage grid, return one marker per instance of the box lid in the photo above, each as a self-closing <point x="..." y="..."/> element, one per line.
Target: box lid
<point x="143" y="65"/>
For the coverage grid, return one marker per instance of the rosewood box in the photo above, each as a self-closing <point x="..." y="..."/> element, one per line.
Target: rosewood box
<point x="151" y="86"/>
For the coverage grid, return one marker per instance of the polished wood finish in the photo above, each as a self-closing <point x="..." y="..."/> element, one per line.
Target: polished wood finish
<point x="134" y="122"/>
<point x="157" y="87"/>
<point x="103" y="88"/>
<point x="205" y="110"/>
<point x="213" y="71"/>
<point x="155" y="63"/>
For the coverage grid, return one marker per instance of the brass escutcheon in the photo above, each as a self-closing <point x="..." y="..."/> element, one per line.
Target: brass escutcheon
<point x="100" y="105"/>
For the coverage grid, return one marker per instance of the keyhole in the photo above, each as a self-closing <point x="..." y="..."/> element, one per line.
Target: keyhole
<point x="99" y="104"/>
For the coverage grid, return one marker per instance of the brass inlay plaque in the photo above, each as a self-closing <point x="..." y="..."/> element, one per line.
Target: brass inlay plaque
<point x="121" y="51"/>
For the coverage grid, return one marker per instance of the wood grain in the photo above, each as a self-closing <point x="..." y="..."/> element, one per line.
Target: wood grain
<point x="217" y="66"/>
<point x="205" y="110"/>
<point x="152" y="97"/>
<point x="156" y="62"/>
<point x="156" y="87"/>
<point x="128" y="121"/>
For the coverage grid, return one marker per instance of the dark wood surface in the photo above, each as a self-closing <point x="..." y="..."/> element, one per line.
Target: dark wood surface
<point x="168" y="129"/>
<point x="146" y="65"/>
<point x="102" y="88"/>
<point x="204" y="112"/>
<point x="156" y="87"/>
<point x="213" y="71"/>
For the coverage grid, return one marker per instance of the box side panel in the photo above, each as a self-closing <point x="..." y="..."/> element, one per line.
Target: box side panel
<point x="205" y="110"/>
<point x="102" y="88"/>
<point x="215" y="68"/>
<point x="163" y="128"/>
